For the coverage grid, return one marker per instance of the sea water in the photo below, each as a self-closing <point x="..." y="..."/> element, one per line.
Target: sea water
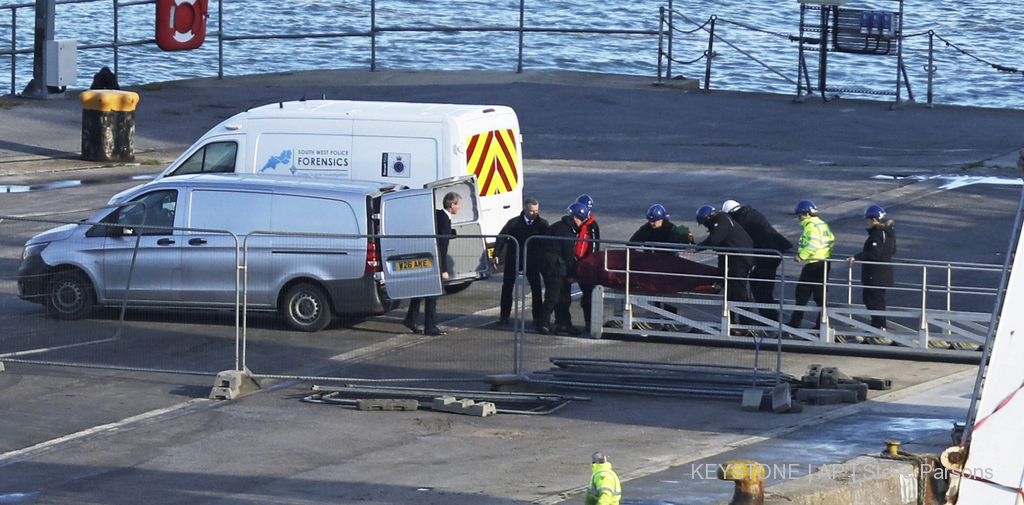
<point x="989" y="30"/>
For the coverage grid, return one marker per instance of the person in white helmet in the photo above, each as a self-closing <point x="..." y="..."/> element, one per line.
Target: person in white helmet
<point x="765" y="236"/>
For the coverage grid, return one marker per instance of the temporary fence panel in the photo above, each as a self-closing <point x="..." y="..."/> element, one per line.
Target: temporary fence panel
<point x="633" y="341"/>
<point x="112" y="292"/>
<point x="366" y="340"/>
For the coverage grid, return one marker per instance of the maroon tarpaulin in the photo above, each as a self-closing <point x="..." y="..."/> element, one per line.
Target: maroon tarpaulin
<point x="642" y="279"/>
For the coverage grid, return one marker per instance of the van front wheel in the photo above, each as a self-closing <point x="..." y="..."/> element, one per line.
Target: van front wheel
<point x="69" y="296"/>
<point x="306" y="308"/>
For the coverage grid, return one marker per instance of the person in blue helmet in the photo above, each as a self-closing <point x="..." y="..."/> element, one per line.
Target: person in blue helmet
<point x="557" y="270"/>
<point x="658" y="229"/>
<point x="726" y="233"/>
<point x="876" y="273"/>
<point x="588" y="230"/>
<point x="815" y="248"/>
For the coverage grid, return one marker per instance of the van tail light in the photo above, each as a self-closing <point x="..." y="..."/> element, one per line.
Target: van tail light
<point x="372" y="258"/>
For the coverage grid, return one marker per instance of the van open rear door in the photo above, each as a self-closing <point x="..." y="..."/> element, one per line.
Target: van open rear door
<point x="409" y="264"/>
<point x="467" y="252"/>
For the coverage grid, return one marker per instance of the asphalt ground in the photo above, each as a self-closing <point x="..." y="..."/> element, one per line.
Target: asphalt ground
<point x="81" y="435"/>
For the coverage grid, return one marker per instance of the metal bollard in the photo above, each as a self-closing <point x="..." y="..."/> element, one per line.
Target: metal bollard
<point x="749" y="478"/>
<point x="108" y="125"/>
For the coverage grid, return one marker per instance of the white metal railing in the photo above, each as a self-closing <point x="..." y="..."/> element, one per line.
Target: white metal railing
<point x="935" y="307"/>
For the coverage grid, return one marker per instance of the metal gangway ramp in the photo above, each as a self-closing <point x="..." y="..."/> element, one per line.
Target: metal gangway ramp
<point x="936" y="309"/>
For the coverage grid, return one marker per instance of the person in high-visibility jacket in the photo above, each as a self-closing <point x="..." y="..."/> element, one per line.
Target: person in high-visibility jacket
<point x="815" y="247"/>
<point x="605" y="488"/>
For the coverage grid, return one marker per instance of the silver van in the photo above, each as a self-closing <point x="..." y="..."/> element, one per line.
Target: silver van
<point x="312" y="248"/>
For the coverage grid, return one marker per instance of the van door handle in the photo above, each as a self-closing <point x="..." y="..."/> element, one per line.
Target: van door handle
<point x="196" y="241"/>
<point x="165" y="241"/>
<point x="506" y="207"/>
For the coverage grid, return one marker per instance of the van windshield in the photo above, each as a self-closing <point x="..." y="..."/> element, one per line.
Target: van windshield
<point x="213" y="157"/>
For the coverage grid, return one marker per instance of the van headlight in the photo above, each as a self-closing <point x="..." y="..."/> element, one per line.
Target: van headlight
<point x="33" y="250"/>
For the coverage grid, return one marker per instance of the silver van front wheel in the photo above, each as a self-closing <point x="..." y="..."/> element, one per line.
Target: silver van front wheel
<point x="306" y="308"/>
<point x="69" y="296"/>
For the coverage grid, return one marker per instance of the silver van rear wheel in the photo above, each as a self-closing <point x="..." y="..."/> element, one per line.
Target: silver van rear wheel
<point x="306" y="307"/>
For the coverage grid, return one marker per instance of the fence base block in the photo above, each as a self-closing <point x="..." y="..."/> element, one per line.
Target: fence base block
<point x="388" y="404"/>
<point x="826" y="396"/>
<point x="464" y="406"/>
<point x="1" y="366"/>
<point x="752" y="399"/>
<point x="231" y="384"/>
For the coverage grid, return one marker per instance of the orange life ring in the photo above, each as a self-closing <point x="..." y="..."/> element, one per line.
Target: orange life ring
<point x="180" y="24"/>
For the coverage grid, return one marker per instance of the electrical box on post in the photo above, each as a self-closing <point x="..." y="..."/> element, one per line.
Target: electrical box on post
<point x="61" y="62"/>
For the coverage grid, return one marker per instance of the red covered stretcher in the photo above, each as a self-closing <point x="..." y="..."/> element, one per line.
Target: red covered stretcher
<point x="650" y="272"/>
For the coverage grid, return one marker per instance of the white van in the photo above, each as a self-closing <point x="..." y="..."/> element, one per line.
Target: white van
<point x="411" y="144"/>
<point x="192" y="232"/>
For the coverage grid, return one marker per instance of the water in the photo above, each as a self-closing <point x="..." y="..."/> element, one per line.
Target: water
<point x="987" y="29"/>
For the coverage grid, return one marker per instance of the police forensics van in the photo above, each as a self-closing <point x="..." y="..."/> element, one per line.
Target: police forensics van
<point x="311" y="248"/>
<point x="411" y="144"/>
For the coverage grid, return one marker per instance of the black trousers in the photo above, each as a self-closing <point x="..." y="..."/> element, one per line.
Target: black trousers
<point x="762" y="284"/>
<point x="429" y="312"/>
<point x="508" y="285"/>
<point x="585" y="300"/>
<point x="812" y="284"/>
<point x="557" y="300"/>
<point x="874" y="299"/>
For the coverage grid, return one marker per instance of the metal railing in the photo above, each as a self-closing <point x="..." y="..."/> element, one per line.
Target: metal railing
<point x="374" y="31"/>
<point x="668" y="29"/>
<point x="936" y="308"/>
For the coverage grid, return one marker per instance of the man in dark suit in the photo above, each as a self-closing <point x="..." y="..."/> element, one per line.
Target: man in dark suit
<point x="443" y="221"/>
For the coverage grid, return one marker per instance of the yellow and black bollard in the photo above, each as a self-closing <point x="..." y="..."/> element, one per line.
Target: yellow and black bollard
<point x="749" y="478"/>
<point x="108" y="125"/>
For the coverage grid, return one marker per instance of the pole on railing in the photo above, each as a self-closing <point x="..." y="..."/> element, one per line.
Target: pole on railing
<point x="824" y="335"/>
<point x="931" y="65"/>
<point x="14" y="47"/>
<point x="922" y="330"/>
<point x="671" y="29"/>
<point x="627" y="306"/>
<point x="373" y="35"/>
<point x="116" y="18"/>
<point x="710" y="55"/>
<point x="522" y="18"/>
<point x="220" y="39"/>
<point x="661" y="38"/>
<point x="949" y="296"/>
<point x="726" y="320"/>
<point x="849" y="285"/>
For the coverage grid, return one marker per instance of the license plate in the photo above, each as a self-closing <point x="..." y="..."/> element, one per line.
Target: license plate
<point x="414" y="264"/>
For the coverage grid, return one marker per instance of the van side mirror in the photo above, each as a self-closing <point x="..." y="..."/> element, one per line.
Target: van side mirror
<point x="119" y="231"/>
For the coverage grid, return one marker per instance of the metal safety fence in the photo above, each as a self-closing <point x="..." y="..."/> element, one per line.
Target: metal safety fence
<point x="934" y="308"/>
<point x="109" y="291"/>
<point x="681" y="37"/>
<point x="361" y="279"/>
<point x="627" y="328"/>
<point x="379" y="28"/>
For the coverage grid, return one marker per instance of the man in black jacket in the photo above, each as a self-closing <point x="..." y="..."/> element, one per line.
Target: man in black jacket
<point x="878" y="250"/>
<point x="443" y="222"/>
<point x="724" y="232"/>
<point x="765" y="236"/>
<point x="525" y="225"/>
<point x="559" y="266"/>
<point x="659" y="229"/>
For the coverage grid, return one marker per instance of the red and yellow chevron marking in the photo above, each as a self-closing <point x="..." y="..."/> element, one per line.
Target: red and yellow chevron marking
<point x="492" y="157"/>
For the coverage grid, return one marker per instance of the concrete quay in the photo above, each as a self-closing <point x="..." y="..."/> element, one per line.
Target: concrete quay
<point x="84" y="435"/>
